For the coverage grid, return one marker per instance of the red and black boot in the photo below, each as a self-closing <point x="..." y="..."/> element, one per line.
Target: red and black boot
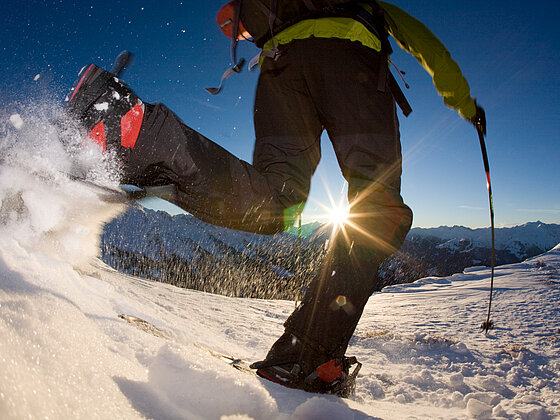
<point x="110" y="111"/>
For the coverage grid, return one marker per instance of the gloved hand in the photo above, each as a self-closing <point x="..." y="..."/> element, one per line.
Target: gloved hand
<point x="479" y="119"/>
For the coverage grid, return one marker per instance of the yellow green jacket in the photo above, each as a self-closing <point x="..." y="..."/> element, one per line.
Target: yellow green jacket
<point x="410" y="34"/>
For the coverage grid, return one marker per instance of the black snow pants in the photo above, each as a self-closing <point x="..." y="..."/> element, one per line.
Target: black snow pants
<point x="316" y="84"/>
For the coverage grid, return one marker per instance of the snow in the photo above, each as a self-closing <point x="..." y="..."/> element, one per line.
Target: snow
<point x="65" y="353"/>
<point x="104" y="106"/>
<point x="16" y="121"/>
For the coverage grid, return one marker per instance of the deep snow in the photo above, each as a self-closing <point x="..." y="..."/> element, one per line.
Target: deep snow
<point x="64" y="353"/>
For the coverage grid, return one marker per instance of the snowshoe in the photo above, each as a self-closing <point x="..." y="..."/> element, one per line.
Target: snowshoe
<point x="293" y="363"/>
<point x="332" y="377"/>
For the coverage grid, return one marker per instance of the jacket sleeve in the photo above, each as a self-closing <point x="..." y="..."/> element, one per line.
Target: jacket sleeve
<point x="414" y="37"/>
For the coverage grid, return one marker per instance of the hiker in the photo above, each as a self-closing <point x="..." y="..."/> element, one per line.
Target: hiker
<point x="320" y="69"/>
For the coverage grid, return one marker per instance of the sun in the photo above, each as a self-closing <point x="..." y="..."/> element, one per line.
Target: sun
<point x="339" y="215"/>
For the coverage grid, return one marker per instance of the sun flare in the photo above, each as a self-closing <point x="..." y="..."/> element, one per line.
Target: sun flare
<point x="339" y="216"/>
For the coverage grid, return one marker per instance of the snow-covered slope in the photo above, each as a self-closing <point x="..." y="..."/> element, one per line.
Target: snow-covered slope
<point x="65" y="353"/>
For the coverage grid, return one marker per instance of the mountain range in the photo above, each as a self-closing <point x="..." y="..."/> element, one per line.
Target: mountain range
<point x="184" y="251"/>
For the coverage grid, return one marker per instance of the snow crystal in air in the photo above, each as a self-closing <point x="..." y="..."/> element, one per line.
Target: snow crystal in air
<point x="16" y="121"/>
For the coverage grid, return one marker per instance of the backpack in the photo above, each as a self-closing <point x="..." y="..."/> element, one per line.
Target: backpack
<point x="262" y="19"/>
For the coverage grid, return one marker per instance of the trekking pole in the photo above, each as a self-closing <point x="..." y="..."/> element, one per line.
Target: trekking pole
<point x="298" y="259"/>
<point x="480" y="126"/>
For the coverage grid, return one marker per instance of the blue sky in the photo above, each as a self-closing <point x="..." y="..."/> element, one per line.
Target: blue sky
<point x="507" y="51"/>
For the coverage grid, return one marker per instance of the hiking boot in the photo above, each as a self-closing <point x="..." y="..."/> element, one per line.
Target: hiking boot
<point x="293" y="364"/>
<point x="111" y="113"/>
